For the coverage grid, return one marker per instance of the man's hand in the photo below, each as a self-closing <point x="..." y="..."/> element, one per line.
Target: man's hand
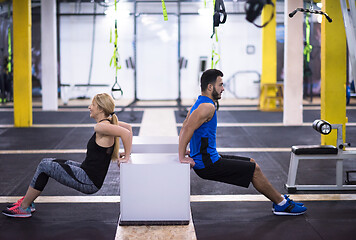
<point x="189" y="160"/>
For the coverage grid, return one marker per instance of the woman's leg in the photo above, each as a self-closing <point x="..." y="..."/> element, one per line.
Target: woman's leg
<point x="30" y="196"/>
<point x="66" y="174"/>
<point x="73" y="163"/>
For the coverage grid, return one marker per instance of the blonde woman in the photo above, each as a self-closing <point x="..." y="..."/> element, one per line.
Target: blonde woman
<point x="86" y="177"/>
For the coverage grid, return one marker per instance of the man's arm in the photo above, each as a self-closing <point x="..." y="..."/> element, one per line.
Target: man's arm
<point x="203" y="113"/>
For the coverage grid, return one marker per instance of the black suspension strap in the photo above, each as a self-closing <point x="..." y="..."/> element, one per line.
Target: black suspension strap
<point x="220" y="14"/>
<point x="253" y="9"/>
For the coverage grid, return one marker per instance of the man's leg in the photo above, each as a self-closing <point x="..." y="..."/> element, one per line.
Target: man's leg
<point x="261" y="183"/>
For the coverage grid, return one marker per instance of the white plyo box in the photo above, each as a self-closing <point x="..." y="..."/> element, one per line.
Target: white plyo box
<point x="154" y="189"/>
<point x="155" y="144"/>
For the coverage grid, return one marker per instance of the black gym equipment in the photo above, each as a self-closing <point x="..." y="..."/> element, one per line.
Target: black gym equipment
<point x="310" y="10"/>
<point x="220" y="15"/>
<point x="322" y="126"/>
<point x="336" y="153"/>
<point x="253" y="9"/>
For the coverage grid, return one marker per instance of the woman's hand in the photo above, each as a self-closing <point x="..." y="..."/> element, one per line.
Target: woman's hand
<point x="122" y="155"/>
<point x="123" y="158"/>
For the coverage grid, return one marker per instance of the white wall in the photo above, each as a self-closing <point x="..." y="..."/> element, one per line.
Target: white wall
<point x="234" y="36"/>
<point x="157" y="52"/>
<point x="75" y="50"/>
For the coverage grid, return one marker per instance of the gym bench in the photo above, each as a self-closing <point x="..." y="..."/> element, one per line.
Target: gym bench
<point x="321" y="152"/>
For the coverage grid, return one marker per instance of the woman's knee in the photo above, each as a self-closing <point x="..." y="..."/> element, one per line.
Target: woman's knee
<point x="44" y="163"/>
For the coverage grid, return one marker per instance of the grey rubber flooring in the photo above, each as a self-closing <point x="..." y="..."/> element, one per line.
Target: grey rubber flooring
<point x="212" y="220"/>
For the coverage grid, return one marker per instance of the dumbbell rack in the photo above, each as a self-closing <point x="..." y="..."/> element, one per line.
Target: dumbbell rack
<point x="314" y="153"/>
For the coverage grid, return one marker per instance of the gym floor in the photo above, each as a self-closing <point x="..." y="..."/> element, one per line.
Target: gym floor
<point x="219" y="211"/>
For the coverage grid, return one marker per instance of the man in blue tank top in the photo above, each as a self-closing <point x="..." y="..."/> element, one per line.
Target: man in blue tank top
<point x="199" y="129"/>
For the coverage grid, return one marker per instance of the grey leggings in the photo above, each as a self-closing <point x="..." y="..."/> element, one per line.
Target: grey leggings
<point x="66" y="172"/>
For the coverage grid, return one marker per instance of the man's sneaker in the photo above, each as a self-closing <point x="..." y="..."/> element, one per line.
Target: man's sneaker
<point x="17" y="211"/>
<point x="290" y="208"/>
<point x="291" y="201"/>
<point x="32" y="206"/>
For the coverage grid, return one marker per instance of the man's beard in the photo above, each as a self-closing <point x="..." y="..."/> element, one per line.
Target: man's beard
<point x="216" y="98"/>
<point x="215" y="95"/>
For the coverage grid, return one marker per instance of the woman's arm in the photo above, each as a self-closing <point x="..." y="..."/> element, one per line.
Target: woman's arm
<point x="125" y="125"/>
<point x="128" y="127"/>
<point x="117" y="131"/>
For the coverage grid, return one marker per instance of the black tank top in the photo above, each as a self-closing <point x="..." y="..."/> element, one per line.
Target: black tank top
<point x="97" y="161"/>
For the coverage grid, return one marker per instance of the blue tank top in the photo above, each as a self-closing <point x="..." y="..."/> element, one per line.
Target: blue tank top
<point x="203" y="143"/>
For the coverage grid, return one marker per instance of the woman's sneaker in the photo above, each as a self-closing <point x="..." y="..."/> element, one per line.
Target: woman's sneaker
<point x="289" y="208"/>
<point x="32" y="206"/>
<point x="17" y="211"/>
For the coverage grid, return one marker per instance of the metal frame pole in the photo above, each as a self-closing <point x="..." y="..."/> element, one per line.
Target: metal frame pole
<point x="135" y="51"/>
<point x="179" y="69"/>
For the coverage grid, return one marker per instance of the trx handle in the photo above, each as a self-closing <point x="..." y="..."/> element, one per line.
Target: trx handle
<point x="116" y="88"/>
<point x="310" y="11"/>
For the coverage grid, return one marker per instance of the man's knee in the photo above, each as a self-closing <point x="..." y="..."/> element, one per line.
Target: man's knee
<point x="257" y="167"/>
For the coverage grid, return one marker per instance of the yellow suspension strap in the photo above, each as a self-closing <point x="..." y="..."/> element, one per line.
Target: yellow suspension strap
<point x="115" y="59"/>
<point x="9" y="49"/>
<point x="215" y="56"/>
<point x="165" y="15"/>
<point x="308" y="47"/>
<point x="219" y="17"/>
